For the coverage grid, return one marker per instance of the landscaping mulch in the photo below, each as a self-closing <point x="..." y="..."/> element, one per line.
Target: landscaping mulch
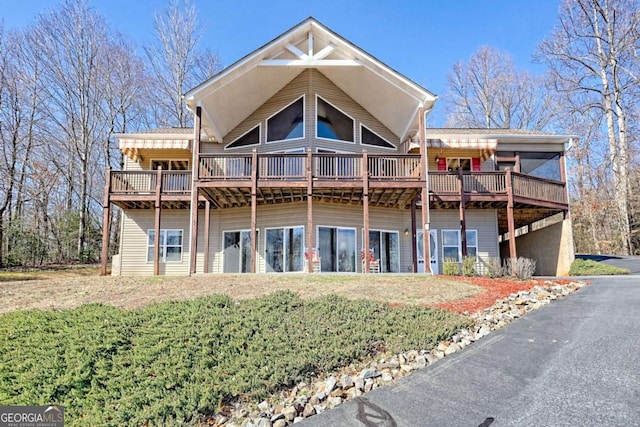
<point x="493" y="290"/>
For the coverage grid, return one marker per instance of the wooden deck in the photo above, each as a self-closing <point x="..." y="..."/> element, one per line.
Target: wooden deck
<point x="390" y="180"/>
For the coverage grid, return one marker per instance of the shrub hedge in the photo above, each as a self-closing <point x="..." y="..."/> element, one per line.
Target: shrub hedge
<point x="175" y="363"/>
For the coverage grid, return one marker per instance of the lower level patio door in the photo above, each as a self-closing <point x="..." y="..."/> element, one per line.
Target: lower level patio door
<point x="237" y="251"/>
<point x="386" y="246"/>
<point x="337" y="249"/>
<point x="433" y="249"/>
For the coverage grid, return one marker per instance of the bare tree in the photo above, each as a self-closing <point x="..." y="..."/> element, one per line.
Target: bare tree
<point x="593" y="53"/>
<point x="488" y="92"/>
<point x="176" y="63"/>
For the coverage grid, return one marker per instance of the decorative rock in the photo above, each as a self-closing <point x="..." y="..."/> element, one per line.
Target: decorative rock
<point x="386" y="377"/>
<point x="330" y="384"/>
<point x="318" y="408"/>
<point x="289" y="413"/>
<point x="308" y="410"/>
<point x="280" y="423"/>
<point x="264" y="422"/>
<point x="368" y="385"/>
<point x="358" y="383"/>
<point x="369" y="373"/>
<point x="298" y="420"/>
<point x="453" y="347"/>
<point x="346" y="381"/>
<point x="332" y="402"/>
<point x="277" y="417"/>
<point x="263" y="406"/>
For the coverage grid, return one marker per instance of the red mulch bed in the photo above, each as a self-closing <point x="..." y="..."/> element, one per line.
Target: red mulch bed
<point x="494" y="289"/>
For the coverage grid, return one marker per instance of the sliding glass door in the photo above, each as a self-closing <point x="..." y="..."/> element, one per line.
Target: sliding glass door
<point x="237" y="251"/>
<point x="337" y="248"/>
<point x="284" y="249"/>
<point x="386" y="248"/>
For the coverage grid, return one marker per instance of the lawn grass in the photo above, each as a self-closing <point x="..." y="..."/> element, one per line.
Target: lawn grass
<point x="63" y="291"/>
<point x="588" y="267"/>
<point x="175" y="363"/>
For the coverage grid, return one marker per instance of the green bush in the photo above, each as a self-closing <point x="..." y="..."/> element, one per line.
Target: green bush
<point x="451" y="267"/>
<point x="588" y="267"/>
<point x="176" y="363"/>
<point x="469" y="266"/>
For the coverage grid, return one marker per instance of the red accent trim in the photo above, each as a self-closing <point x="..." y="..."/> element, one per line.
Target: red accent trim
<point x="475" y="164"/>
<point x="442" y="164"/>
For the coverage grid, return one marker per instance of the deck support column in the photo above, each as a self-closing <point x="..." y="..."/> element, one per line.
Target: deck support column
<point x="106" y="224"/>
<point x="309" y="174"/>
<point x="510" y="221"/>
<point x="158" y="209"/>
<point x="424" y="193"/>
<point x="365" y="211"/>
<point x="207" y="218"/>
<point x="463" y="221"/>
<point x="563" y="178"/>
<point x="414" y="252"/>
<point x="195" y="191"/>
<point x="254" y="208"/>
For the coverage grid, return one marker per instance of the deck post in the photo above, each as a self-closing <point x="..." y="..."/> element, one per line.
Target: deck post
<point x="207" y="218"/>
<point x="365" y="211"/>
<point x="254" y="207"/>
<point x="510" y="221"/>
<point x="309" y="174"/>
<point x="157" y="208"/>
<point x="414" y="252"/>
<point x="563" y="178"/>
<point x="426" y="236"/>
<point x="463" y="221"/>
<point x="106" y="224"/>
<point x="195" y="162"/>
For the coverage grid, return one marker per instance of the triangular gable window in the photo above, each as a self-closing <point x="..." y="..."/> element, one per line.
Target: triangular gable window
<point x="333" y="123"/>
<point x="250" y="138"/>
<point x="288" y="123"/>
<point x="370" y="138"/>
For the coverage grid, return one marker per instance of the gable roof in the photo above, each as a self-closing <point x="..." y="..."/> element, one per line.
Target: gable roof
<point x="230" y="96"/>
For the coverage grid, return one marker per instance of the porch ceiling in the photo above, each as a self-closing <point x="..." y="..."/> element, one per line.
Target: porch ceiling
<point x="260" y="75"/>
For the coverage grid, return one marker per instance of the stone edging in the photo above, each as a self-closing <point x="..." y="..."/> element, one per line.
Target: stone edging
<point x="306" y="400"/>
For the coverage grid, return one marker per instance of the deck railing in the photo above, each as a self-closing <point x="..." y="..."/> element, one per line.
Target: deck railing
<point x="144" y="182"/>
<point x="339" y="166"/>
<point x="346" y="167"/>
<point x="527" y="186"/>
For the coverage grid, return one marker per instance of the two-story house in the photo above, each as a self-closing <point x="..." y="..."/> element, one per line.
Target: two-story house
<point x="307" y="151"/>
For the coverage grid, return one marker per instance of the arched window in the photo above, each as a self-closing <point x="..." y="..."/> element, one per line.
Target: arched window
<point x="287" y="123"/>
<point x="332" y="123"/>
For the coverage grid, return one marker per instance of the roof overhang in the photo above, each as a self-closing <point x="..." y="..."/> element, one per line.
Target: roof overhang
<point x="232" y="95"/>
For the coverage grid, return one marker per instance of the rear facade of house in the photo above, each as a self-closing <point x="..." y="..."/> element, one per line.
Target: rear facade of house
<point x="309" y="155"/>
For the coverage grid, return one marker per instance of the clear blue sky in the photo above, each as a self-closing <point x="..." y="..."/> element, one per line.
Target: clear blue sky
<point x="421" y="39"/>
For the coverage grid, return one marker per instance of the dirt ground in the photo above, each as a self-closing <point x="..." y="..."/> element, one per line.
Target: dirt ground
<point x="64" y="289"/>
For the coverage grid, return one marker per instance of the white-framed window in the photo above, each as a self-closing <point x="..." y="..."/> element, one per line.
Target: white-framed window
<point x="451" y="248"/>
<point x="452" y="245"/>
<point x="170" y="245"/>
<point x="247" y="139"/>
<point x="170" y="164"/>
<point x="287" y="123"/>
<point x="332" y="123"/>
<point x="455" y="163"/>
<point x="369" y="137"/>
<point x="472" y="243"/>
<point x="284" y="249"/>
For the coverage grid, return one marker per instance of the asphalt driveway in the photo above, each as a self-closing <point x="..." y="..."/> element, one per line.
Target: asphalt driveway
<point x="572" y="363"/>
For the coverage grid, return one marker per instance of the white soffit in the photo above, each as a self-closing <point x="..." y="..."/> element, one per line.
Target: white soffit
<point x="232" y="95"/>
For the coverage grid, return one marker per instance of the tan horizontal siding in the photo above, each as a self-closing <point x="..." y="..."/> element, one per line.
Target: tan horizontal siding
<point x="484" y="221"/>
<point x="133" y="243"/>
<point x="309" y="83"/>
